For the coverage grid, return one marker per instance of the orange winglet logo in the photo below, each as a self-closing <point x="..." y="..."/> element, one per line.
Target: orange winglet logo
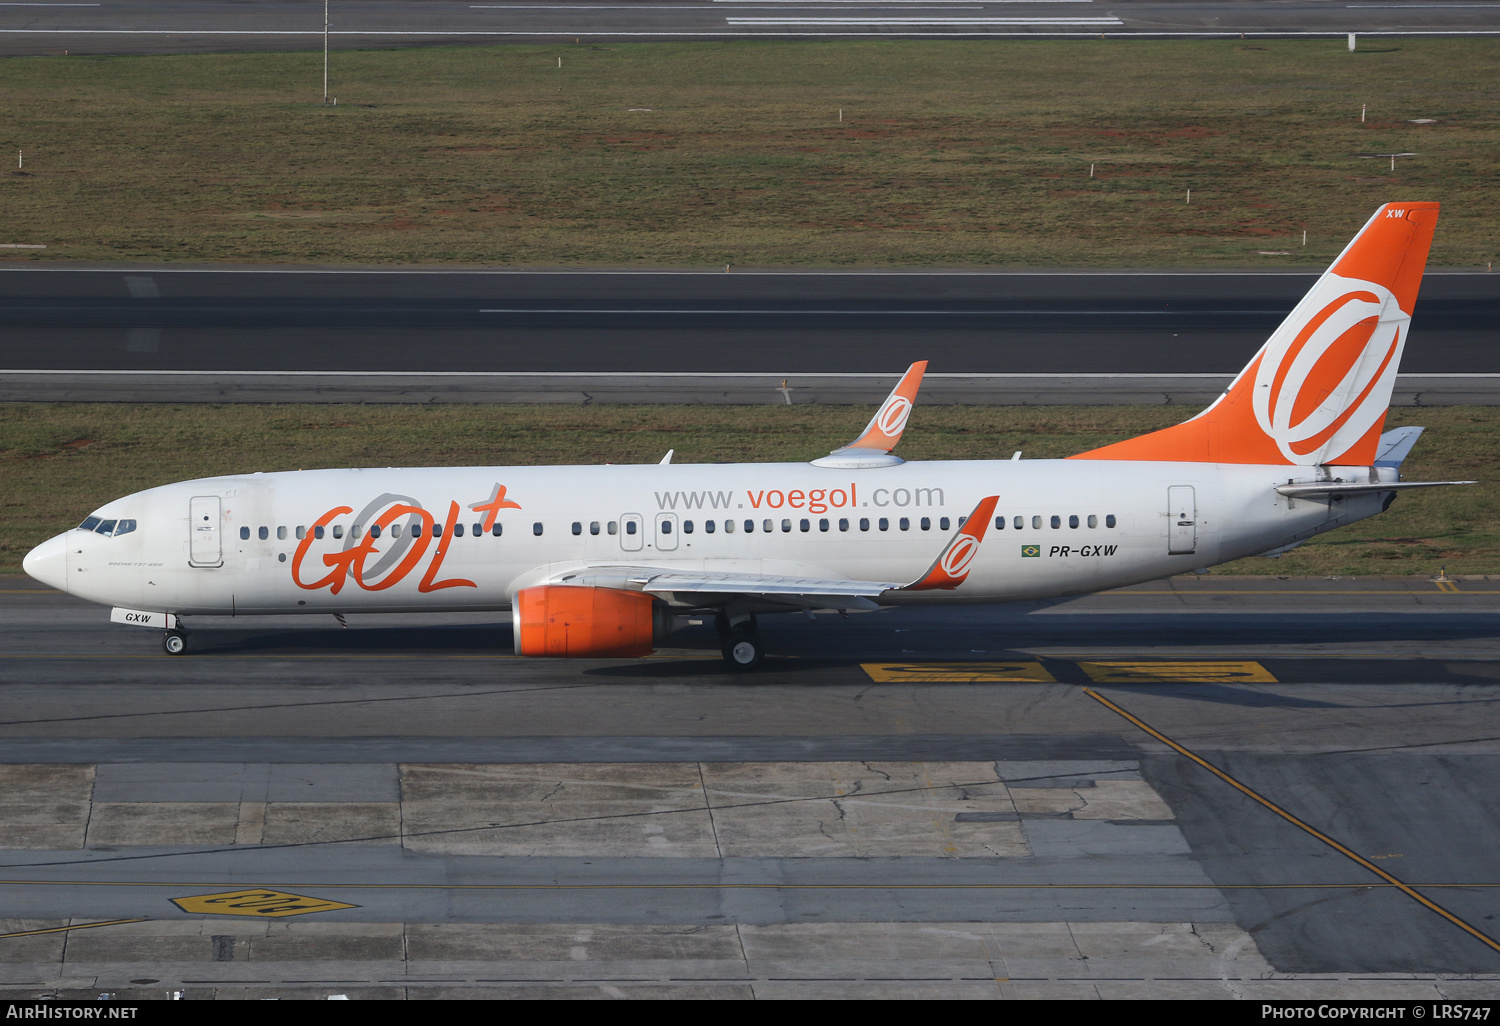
<point x="884" y="429"/>
<point x="952" y="566"/>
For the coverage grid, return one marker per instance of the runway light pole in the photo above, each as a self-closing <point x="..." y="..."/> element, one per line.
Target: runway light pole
<point x="325" y="52"/>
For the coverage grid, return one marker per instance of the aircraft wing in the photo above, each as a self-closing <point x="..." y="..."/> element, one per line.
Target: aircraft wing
<point x="947" y="572"/>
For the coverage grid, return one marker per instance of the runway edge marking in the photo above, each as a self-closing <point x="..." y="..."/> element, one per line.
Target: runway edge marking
<point x="1349" y="853"/>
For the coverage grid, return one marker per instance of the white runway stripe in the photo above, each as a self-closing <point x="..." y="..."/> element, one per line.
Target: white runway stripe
<point x="1071" y="22"/>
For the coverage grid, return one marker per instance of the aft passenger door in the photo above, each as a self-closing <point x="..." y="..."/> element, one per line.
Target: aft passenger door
<point x="204" y="548"/>
<point x="1182" y="520"/>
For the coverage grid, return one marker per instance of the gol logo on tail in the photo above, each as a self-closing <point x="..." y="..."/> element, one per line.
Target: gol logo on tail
<point x="1319" y="390"/>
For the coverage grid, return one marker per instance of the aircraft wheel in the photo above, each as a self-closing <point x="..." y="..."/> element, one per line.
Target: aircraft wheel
<point x="174" y="643"/>
<point x="744" y="652"/>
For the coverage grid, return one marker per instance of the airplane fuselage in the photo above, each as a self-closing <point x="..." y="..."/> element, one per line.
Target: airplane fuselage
<point x="306" y="541"/>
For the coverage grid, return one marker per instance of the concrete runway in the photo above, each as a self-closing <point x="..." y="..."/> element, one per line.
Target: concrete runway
<point x="496" y="336"/>
<point x="164" y="26"/>
<point x="912" y="803"/>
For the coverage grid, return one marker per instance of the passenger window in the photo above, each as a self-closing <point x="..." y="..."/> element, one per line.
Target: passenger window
<point x="614" y="527"/>
<point x="770" y="526"/>
<point x="1073" y="521"/>
<point x="536" y="528"/>
<point x="1019" y="523"/>
<point x="709" y="525"/>
<point x="926" y="523"/>
<point x="301" y="532"/>
<point x="318" y="532"/>
<point x="244" y="534"/>
<point x="687" y="527"/>
<point x="497" y="530"/>
<point x="843" y="524"/>
<point x="458" y="531"/>
<point x="806" y="525"/>
<point x="1056" y="521"/>
<point x="630" y="527"/>
<point x="729" y="527"/>
<point x="961" y="522"/>
<point x="354" y="532"/>
<point x="577" y="527"/>
<point x="89" y="523"/>
<point x="822" y="523"/>
<point x="478" y="530"/>
<point x="1036" y="523"/>
<point x="437" y="530"/>
<point x="338" y="530"/>
<point x="263" y="534"/>
<point x="593" y="527"/>
<point x="666" y="527"/>
<point x="749" y="526"/>
<point x="416" y="529"/>
<point x="905" y="524"/>
<point x="999" y="523"/>
<point x="1093" y="520"/>
<point x="124" y="527"/>
<point x="943" y="524"/>
<point x="1109" y="521"/>
<point x="864" y="523"/>
<point x="281" y="534"/>
<point x="885" y="525"/>
<point x="374" y="531"/>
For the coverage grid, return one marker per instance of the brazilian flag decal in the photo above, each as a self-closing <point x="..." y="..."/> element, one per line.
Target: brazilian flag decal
<point x="1030" y="550"/>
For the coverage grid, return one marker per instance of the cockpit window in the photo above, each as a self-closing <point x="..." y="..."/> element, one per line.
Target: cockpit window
<point x="89" y="524"/>
<point x="106" y="528"/>
<point x="124" y="527"/>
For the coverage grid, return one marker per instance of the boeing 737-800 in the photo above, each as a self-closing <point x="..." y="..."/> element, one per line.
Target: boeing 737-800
<point x="603" y="561"/>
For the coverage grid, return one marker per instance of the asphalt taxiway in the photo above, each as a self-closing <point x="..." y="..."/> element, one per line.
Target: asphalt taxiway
<point x="269" y="335"/>
<point x="979" y="802"/>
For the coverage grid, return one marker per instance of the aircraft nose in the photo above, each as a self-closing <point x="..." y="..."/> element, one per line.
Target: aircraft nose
<point x="48" y="562"/>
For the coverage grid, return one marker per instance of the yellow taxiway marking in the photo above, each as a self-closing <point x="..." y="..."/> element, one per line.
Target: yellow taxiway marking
<point x="63" y="929"/>
<point x="1359" y="859"/>
<point x="1451" y="587"/>
<point x="1028" y="671"/>
<point x="257" y="902"/>
<point x="1129" y="672"/>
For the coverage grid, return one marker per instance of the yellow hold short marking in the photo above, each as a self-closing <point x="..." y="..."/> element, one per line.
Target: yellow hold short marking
<point x="257" y="902"/>
<point x="1121" y="672"/>
<point x="1020" y="671"/>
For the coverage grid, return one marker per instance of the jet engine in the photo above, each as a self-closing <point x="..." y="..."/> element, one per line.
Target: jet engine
<point x="572" y="621"/>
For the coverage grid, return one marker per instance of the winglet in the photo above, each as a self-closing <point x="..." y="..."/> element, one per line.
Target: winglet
<point x="952" y="566"/>
<point x="884" y="429"/>
<point x="874" y="444"/>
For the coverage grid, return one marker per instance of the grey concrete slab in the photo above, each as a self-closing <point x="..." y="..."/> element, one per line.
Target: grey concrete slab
<point x="182" y="781"/>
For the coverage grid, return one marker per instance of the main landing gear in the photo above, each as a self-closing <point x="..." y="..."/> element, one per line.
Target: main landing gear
<point x="743" y="650"/>
<point x="174" y="641"/>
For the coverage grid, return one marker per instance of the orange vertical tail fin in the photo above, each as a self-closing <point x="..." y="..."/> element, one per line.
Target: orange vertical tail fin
<point x="1318" y="390"/>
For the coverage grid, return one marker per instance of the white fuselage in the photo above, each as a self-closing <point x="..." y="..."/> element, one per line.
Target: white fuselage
<point x="230" y="545"/>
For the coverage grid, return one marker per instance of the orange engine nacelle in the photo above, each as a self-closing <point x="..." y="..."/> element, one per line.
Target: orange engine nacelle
<point x="567" y="620"/>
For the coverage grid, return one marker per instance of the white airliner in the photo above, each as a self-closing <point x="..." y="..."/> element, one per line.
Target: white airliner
<point x="604" y="561"/>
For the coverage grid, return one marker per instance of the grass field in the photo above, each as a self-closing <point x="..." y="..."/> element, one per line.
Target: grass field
<point x="949" y="153"/>
<point x="60" y="461"/>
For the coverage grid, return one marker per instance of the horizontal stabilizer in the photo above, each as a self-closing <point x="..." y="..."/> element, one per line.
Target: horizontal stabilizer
<point x="1336" y="488"/>
<point x="1395" y="445"/>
